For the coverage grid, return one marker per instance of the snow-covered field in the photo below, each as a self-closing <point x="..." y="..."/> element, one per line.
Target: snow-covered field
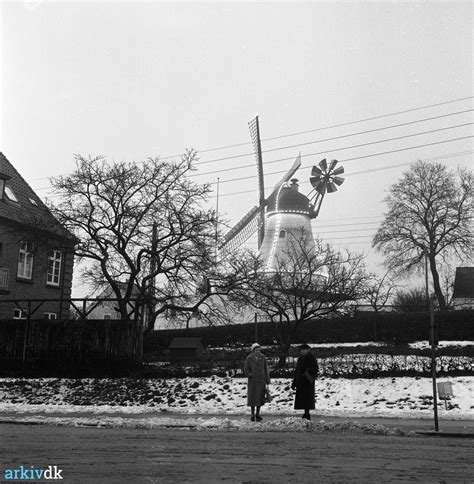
<point x="218" y="403"/>
<point x="380" y="397"/>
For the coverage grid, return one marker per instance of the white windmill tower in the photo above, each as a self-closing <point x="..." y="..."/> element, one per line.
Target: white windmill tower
<point x="286" y="214"/>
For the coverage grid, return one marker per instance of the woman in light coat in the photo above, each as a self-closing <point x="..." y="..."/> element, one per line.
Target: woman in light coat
<point x="256" y="370"/>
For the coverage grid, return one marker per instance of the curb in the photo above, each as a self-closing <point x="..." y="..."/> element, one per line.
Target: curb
<point x="440" y="433"/>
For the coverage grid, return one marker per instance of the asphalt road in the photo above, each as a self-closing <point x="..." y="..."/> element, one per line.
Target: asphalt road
<point x="127" y="455"/>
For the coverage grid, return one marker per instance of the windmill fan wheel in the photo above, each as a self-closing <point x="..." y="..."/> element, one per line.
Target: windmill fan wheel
<point x="326" y="177"/>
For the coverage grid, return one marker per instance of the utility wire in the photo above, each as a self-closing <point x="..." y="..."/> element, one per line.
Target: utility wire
<point x="449" y="155"/>
<point x="338" y="149"/>
<point x="358" y="157"/>
<point x="248" y="143"/>
<point x="372" y="118"/>
<point x="333" y="138"/>
<point x="321" y="129"/>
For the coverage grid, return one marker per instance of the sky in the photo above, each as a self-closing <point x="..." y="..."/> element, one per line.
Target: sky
<point x="375" y="85"/>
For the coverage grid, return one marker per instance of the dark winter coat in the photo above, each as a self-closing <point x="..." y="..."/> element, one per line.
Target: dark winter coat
<point x="306" y="371"/>
<point x="256" y="370"/>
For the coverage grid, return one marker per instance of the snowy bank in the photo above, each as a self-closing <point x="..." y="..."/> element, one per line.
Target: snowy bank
<point x="380" y="397"/>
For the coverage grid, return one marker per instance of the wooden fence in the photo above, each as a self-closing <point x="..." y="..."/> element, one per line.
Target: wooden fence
<point x="69" y="346"/>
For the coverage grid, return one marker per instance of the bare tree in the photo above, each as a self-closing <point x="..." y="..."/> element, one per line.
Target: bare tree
<point x="430" y="214"/>
<point x="412" y="300"/>
<point x="379" y="290"/>
<point x="142" y="228"/>
<point x="307" y="284"/>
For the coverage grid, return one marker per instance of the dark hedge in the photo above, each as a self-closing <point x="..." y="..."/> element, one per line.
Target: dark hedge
<point x="395" y="328"/>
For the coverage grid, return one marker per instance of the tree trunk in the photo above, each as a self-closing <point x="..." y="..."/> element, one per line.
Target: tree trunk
<point x="123" y="309"/>
<point x="436" y="285"/>
<point x="283" y="355"/>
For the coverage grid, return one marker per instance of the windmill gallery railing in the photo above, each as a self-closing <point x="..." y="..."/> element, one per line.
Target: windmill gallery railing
<point x="79" y="308"/>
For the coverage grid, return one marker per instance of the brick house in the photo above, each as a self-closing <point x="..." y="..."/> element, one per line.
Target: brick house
<point x="36" y="252"/>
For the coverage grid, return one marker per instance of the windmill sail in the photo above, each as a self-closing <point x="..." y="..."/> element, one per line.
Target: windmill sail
<point x="255" y="219"/>
<point x="257" y="147"/>
<point x="289" y="173"/>
<point x="242" y="231"/>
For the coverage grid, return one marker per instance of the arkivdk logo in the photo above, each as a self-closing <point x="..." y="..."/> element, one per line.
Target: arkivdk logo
<point x="25" y="473"/>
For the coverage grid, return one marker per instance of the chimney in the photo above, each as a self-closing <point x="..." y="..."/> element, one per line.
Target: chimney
<point x="294" y="184"/>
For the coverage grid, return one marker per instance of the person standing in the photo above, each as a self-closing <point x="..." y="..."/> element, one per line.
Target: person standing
<point x="256" y="370"/>
<point x="303" y="381"/>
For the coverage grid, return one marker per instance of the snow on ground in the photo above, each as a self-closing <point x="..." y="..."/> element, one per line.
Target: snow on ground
<point x="285" y="424"/>
<point x="400" y="397"/>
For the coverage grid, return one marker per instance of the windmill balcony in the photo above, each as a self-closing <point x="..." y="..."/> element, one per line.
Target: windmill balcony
<point x="4" y="280"/>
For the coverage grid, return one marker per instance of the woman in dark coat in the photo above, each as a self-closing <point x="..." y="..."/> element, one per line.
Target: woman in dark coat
<point x="303" y="381"/>
<point x="256" y="370"/>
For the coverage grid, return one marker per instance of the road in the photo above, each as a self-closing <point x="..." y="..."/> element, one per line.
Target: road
<point x="130" y="455"/>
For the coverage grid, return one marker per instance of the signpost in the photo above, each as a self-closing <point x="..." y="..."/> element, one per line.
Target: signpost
<point x="256" y="328"/>
<point x="434" y="343"/>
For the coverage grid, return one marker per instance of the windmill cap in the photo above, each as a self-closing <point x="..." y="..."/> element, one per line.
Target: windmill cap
<point x="289" y="200"/>
<point x="294" y="184"/>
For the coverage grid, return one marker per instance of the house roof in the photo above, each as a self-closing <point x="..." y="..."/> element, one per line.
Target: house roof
<point x="21" y="205"/>
<point x="189" y="343"/>
<point x="464" y="283"/>
<point x="109" y="293"/>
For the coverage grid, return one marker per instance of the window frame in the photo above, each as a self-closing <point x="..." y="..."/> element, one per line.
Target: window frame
<point x="55" y="265"/>
<point x="10" y="194"/>
<point x="23" y="313"/>
<point x="26" y="261"/>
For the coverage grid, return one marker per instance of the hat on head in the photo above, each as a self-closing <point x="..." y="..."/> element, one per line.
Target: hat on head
<point x="255" y="345"/>
<point x="305" y="347"/>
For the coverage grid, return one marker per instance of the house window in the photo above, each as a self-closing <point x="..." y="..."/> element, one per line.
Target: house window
<point x="10" y="195"/>
<point x="107" y="316"/>
<point x="282" y="234"/>
<point x="50" y="316"/>
<point x="54" y="267"/>
<point x="19" y="313"/>
<point x="25" y="260"/>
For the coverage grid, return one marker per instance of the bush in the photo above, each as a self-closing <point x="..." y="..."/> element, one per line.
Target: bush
<point x="394" y="328"/>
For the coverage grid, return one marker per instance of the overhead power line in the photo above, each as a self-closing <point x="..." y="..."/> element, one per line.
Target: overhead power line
<point x="340" y="149"/>
<point x="321" y="129"/>
<point x="358" y="157"/>
<point x="348" y="123"/>
<point x="332" y="138"/>
<point x="449" y="155"/>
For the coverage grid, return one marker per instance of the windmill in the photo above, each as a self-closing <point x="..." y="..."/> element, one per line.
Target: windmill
<point x="289" y="215"/>
<point x="292" y="209"/>
<point x="255" y="218"/>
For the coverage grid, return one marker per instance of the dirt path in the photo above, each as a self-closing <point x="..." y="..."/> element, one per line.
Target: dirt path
<point x="120" y="455"/>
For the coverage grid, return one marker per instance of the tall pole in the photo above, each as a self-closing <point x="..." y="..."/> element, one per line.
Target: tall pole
<point x="256" y="328"/>
<point x="433" y="362"/>
<point x="151" y="293"/>
<point x="217" y="212"/>
<point x="427" y="296"/>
